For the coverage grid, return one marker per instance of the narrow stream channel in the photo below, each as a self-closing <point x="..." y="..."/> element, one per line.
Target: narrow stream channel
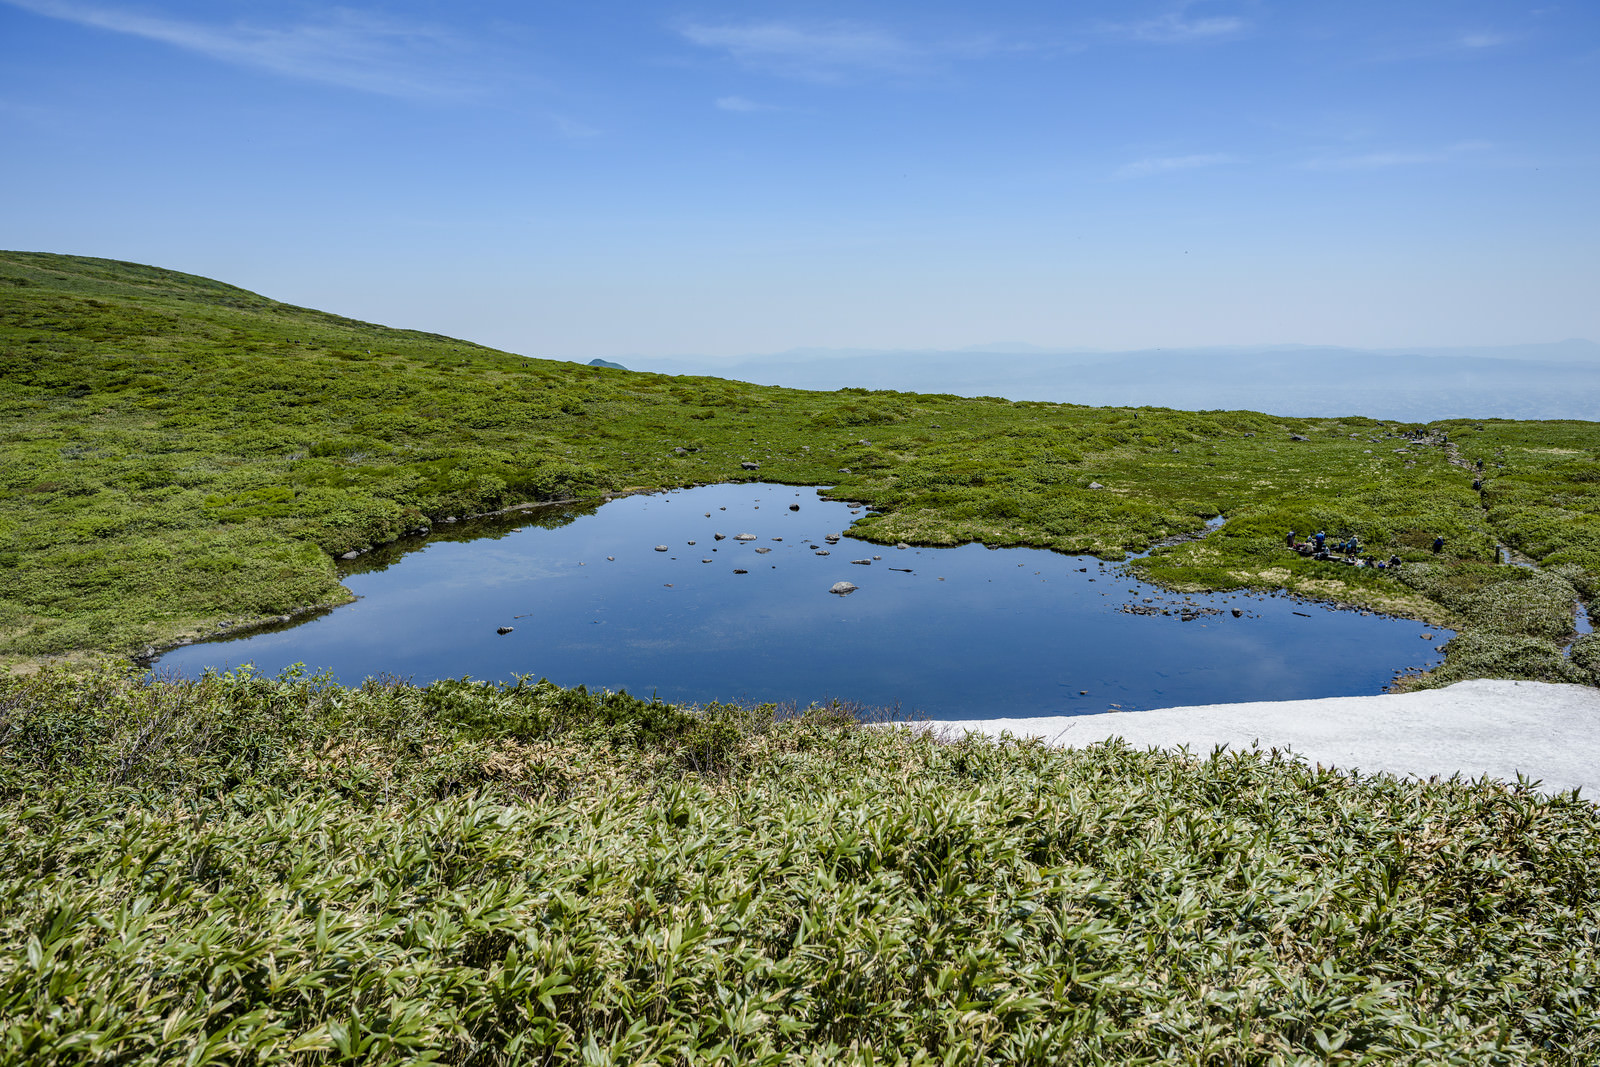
<point x="937" y="632"/>
<point x="1581" y="624"/>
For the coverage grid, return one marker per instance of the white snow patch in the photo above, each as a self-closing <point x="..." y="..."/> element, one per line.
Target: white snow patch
<point x="1549" y="733"/>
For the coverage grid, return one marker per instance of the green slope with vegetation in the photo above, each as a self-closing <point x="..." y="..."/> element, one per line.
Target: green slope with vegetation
<point x="240" y="870"/>
<point x="180" y="455"/>
<point x="248" y="870"/>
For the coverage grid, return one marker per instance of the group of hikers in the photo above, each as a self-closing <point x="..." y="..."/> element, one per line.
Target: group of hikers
<point x="1348" y="551"/>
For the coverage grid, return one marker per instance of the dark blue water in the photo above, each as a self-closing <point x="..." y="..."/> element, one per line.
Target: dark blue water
<point x="947" y="633"/>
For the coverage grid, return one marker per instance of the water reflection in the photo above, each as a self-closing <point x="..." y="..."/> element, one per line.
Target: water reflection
<point x="947" y="633"/>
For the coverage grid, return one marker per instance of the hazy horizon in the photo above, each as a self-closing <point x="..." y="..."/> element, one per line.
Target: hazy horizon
<point x="1559" y="380"/>
<point x="1565" y="349"/>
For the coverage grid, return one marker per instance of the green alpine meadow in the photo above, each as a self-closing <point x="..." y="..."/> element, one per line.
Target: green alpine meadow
<point x="241" y="869"/>
<point x="182" y="455"/>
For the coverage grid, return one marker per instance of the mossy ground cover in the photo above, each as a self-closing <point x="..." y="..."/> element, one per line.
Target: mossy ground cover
<point x="179" y="455"/>
<point x="249" y="870"/>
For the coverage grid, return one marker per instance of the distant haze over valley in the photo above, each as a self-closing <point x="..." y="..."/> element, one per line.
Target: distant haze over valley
<point x="1559" y="380"/>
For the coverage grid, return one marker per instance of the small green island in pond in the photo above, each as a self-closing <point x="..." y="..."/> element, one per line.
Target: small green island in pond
<point x="238" y="869"/>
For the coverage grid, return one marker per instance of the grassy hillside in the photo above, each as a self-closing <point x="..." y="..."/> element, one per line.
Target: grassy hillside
<point x="245" y="870"/>
<point x="182" y="456"/>
<point x="240" y="870"/>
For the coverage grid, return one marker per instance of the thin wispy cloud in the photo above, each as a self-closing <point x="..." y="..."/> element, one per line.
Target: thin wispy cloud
<point x="572" y="128"/>
<point x="831" y="52"/>
<point x="1179" y="27"/>
<point x="1467" y="44"/>
<point x="1396" y="158"/>
<point x="1144" y="168"/>
<point x="742" y="106"/>
<point x="1373" y="160"/>
<point x="30" y="113"/>
<point x="343" y="47"/>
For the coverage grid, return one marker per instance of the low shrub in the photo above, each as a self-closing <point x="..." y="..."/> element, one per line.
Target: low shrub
<point x="244" y="869"/>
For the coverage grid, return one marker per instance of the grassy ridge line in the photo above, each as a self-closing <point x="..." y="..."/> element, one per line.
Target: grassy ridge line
<point x="182" y="457"/>
<point x="285" y="871"/>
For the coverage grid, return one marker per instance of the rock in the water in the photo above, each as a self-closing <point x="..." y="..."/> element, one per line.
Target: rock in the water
<point x="902" y="544"/>
<point x="661" y="548"/>
<point x="352" y="554"/>
<point x="505" y="629"/>
<point x="705" y="561"/>
<point x="744" y="537"/>
<point x="794" y="507"/>
<point x="740" y="570"/>
<point x="720" y="536"/>
<point x="843" y="588"/>
<point x="763" y="551"/>
<point x="823" y="552"/>
<point x="691" y="542"/>
<point x="1238" y="614"/>
<point x="862" y="562"/>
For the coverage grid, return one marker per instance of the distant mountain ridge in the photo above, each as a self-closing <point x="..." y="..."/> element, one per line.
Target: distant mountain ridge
<point x="1559" y="380"/>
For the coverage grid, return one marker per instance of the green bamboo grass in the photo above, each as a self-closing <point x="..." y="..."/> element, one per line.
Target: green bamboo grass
<point x="245" y="870"/>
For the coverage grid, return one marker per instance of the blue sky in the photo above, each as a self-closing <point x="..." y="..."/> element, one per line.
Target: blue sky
<point x="575" y="180"/>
